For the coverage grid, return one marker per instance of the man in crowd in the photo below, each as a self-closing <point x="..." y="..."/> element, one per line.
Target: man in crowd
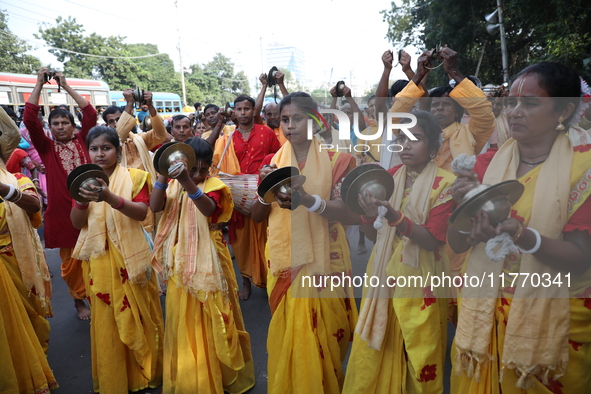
<point x="245" y="149"/>
<point x="60" y="156"/>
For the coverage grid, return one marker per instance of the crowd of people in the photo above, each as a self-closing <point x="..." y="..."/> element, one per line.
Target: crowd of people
<point x="156" y="229"/>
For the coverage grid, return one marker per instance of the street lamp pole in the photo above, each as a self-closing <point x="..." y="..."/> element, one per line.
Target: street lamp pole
<point x="504" y="55"/>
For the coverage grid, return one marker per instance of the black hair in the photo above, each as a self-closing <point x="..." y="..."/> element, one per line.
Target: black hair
<point x="430" y="127"/>
<point x="208" y="106"/>
<point x="303" y="100"/>
<point x="9" y="111"/>
<point x="61" y="113"/>
<point x="559" y="81"/>
<point x="397" y="87"/>
<point x="244" y="97"/>
<point x="113" y="109"/>
<point x="178" y="117"/>
<point x="203" y="150"/>
<point x="109" y="133"/>
<point x="441" y="92"/>
<point x="373" y="96"/>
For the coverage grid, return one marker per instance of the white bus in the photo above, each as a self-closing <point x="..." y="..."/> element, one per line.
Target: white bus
<point x="15" y="90"/>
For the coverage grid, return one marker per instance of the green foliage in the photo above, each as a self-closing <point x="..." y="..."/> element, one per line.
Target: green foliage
<point x="13" y="58"/>
<point x="553" y="31"/>
<point x="217" y="82"/>
<point x="214" y="82"/>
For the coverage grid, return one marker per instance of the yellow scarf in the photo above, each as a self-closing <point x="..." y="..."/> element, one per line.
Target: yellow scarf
<point x="183" y="245"/>
<point x="27" y="246"/>
<point x="125" y="233"/>
<point x="224" y="156"/>
<point x="373" y="317"/>
<point x="534" y="344"/>
<point x="304" y="238"/>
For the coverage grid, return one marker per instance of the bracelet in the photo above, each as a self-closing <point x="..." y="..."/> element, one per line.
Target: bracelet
<point x="120" y="205"/>
<point x="81" y="206"/>
<point x="10" y="194"/>
<point x="317" y="203"/>
<point x="35" y="179"/>
<point x="263" y="201"/>
<point x="322" y="207"/>
<point x="196" y="195"/>
<point x="398" y="221"/>
<point x="364" y="221"/>
<point x="538" y="242"/>
<point x="518" y="236"/>
<point x="160" y="186"/>
<point x="17" y="197"/>
<point x="410" y="228"/>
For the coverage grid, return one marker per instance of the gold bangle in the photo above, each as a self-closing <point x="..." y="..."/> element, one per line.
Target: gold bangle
<point x="398" y="221"/>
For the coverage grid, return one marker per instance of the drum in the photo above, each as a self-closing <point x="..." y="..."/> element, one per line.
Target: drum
<point x="243" y="188"/>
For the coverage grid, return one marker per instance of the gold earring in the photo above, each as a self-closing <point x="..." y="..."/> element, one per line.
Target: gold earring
<point x="560" y="126"/>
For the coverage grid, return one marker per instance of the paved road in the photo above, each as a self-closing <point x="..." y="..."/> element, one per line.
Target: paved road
<point x="69" y="349"/>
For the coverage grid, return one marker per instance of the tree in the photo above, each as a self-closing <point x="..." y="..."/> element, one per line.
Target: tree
<point x="557" y="31"/>
<point x="13" y="57"/>
<point x="152" y="73"/>
<point x="216" y="81"/>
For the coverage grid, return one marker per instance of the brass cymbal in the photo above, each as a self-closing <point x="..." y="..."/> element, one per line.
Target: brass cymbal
<point x="84" y="176"/>
<point x="276" y="181"/>
<point x="171" y="152"/>
<point x="147" y="123"/>
<point x="353" y="174"/>
<point x="495" y="200"/>
<point x="378" y="181"/>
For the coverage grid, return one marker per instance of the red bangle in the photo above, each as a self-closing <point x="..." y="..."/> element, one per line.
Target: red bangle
<point x="410" y="228"/>
<point x="120" y="205"/>
<point x="81" y="207"/>
<point x="364" y="221"/>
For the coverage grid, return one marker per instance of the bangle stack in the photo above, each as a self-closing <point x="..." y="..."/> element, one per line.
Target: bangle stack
<point x="14" y="195"/>
<point x="121" y="203"/>
<point x="197" y="195"/>
<point x="160" y="186"/>
<point x="398" y="221"/>
<point x="319" y="205"/>
<point x="410" y="228"/>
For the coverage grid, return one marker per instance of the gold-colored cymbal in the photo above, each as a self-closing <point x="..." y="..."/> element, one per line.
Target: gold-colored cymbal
<point x="83" y="177"/>
<point x="495" y="200"/>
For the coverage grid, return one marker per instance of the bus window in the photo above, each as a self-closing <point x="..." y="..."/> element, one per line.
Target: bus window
<point x="168" y="105"/>
<point x="177" y="106"/>
<point x="159" y="105"/>
<point x="56" y="98"/>
<point x="24" y="94"/>
<point x="5" y="96"/>
<point x="101" y="99"/>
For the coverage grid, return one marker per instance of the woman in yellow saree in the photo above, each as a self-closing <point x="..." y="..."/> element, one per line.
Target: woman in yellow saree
<point x="25" y="286"/>
<point x="311" y="327"/>
<point x="529" y="331"/>
<point x="206" y="347"/>
<point x="400" y="340"/>
<point x="127" y="329"/>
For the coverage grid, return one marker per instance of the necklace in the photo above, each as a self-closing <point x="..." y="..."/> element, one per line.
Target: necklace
<point x="247" y="131"/>
<point x="535" y="157"/>
<point x="532" y="164"/>
<point x="413" y="175"/>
